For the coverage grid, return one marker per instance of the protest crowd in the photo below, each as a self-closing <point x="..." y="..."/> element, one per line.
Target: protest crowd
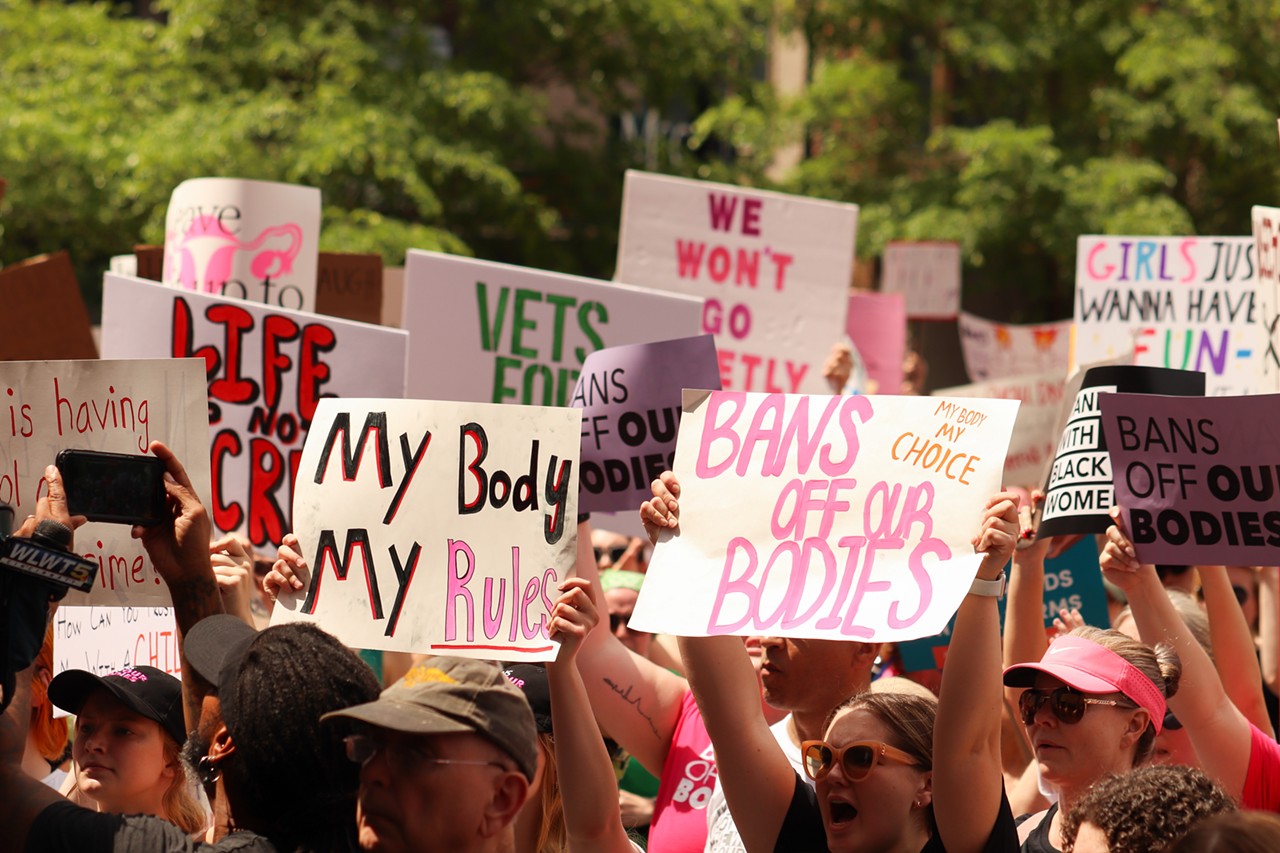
<point x="510" y="561"/>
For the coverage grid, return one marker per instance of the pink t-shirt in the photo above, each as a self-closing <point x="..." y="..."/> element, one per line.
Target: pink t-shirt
<point x="689" y="775"/>
<point x="1262" y="782"/>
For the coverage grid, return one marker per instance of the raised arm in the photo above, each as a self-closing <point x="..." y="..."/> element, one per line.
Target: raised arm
<point x="1234" y="651"/>
<point x="967" y="775"/>
<point x="1269" y="625"/>
<point x="587" y="783"/>
<point x="756" y="776"/>
<point x="1218" y="730"/>
<point x="1024" y="635"/>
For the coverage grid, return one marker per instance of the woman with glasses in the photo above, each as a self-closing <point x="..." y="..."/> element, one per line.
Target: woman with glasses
<point x="1092" y="708"/>
<point x="1232" y="750"/>
<point x="876" y="787"/>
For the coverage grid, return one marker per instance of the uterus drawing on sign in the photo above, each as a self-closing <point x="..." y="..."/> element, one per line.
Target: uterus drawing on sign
<point x="206" y="257"/>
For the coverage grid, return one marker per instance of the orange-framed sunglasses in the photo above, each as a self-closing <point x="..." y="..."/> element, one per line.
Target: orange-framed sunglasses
<point x="857" y="759"/>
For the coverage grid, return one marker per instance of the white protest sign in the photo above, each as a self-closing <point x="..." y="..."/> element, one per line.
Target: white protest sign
<point x="267" y="369"/>
<point x="113" y="406"/>
<point x="1266" y="235"/>
<point x="1181" y="302"/>
<point x="1035" y="433"/>
<point x="105" y="639"/>
<point x="927" y="274"/>
<point x="1003" y="350"/>
<point x="844" y="518"/>
<point x="494" y="333"/>
<point x="441" y="528"/>
<point x="774" y="269"/>
<point x="253" y="240"/>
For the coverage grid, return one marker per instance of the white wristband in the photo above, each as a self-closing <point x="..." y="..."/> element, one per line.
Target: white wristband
<point x="994" y="588"/>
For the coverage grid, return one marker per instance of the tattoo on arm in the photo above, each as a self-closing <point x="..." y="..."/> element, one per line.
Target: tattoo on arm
<point x="634" y="701"/>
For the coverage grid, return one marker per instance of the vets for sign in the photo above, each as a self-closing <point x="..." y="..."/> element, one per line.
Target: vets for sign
<point x="495" y="333"/>
<point x="774" y="270"/>
<point x="820" y="516"/>
<point x="442" y="528"/>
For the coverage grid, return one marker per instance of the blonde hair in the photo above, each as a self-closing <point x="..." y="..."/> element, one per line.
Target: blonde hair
<point x="553" y="835"/>
<point x="49" y="734"/>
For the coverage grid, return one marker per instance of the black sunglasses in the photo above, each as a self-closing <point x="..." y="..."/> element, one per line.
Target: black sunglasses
<point x="1066" y="704"/>
<point x="615" y="554"/>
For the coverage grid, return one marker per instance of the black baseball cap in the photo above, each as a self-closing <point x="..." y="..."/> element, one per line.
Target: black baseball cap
<point x="531" y="678"/>
<point x="145" y="690"/>
<point x="216" y="645"/>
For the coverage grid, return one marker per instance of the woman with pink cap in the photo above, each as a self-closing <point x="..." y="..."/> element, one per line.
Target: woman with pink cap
<point x="1092" y="707"/>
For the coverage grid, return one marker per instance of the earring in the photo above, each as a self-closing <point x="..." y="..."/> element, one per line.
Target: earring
<point x="208" y="771"/>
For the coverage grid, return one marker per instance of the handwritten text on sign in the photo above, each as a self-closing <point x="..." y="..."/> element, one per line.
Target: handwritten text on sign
<point x="1199" y="478"/>
<point x="1180" y="302"/>
<point x="437" y="527"/>
<point x="1266" y="235"/>
<point x="774" y="270"/>
<point x="825" y="516"/>
<point x="495" y="333"/>
<point x="267" y="371"/>
<point x="114" y="406"/>
<point x="105" y="639"/>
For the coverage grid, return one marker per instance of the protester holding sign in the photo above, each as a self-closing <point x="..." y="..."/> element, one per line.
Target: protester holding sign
<point x="1233" y="751"/>
<point x="886" y="739"/>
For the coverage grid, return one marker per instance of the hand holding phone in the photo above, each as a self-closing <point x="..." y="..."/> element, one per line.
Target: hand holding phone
<point x="118" y="488"/>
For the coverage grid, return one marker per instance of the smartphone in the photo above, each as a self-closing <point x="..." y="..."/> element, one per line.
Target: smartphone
<point x="118" y="488"/>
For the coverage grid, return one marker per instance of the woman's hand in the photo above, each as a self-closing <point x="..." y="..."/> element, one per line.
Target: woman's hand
<point x="572" y="618"/>
<point x="290" y="570"/>
<point x="233" y="567"/>
<point x="1119" y="559"/>
<point x="662" y="511"/>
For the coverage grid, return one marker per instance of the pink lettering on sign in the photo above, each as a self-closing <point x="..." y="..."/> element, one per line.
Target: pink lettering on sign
<point x="497" y="609"/>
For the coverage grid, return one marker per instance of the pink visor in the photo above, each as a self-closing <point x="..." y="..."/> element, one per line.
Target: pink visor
<point x="1091" y="668"/>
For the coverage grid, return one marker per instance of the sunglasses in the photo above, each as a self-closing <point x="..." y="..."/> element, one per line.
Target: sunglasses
<point x="1066" y="704"/>
<point x="615" y="554"/>
<point x="1171" y="722"/>
<point x="856" y="760"/>
<point x="405" y="760"/>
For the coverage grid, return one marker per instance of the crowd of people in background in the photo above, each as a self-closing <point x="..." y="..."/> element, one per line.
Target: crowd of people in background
<point x="1155" y="732"/>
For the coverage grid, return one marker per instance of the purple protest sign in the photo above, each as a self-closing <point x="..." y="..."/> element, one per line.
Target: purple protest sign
<point x="877" y="325"/>
<point x="1197" y="477"/>
<point x="630" y="397"/>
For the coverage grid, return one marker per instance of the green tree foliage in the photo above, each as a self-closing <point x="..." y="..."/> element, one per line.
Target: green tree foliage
<point x="472" y="126"/>
<point x="1012" y="127"/>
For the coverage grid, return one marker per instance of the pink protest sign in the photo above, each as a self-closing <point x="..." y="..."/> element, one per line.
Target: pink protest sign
<point x="828" y="517"/>
<point x="1198" y="478"/>
<point x="1002" y="350"/>
<point x="1266" y="235"/>
<point x="440" y="528"/>
<point x="877" y="325"/>
<point x="253" y="240"/>
<point x="267" y="370"/>
<point x="774" y="270"/>
<point x="630" y="399"/>
<point x="1185" y="303"/>
<point x="927" y="274"/>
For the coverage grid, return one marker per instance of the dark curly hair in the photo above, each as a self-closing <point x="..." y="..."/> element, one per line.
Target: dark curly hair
<point x="290" y="675"/>
<point x="1148" y="809"/>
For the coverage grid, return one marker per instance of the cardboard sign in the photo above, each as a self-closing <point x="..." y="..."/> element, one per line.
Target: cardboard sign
<point x="774" y="270"/>
<point x="1002" y="350"/>
<point x="105" y="639"/>
<point x="350" y="286"/>
<point x="1199" y="479"/>
<point x="43" y="315"/>
<point x="267" y="370"/>
<point x="114" y="406"/>
<point x="454" y="542"/>
<point x="877" y="325"/>
<point x="791" y="505"/>
<point x="1078" y="493"/>
<point x="252" y="240"/>
<point x="1266" y="235"/>
<point x="1034" y="438"/>
<point x="630" y="399"/>
<point x="927" y="274"/>
<point x="1181" y="302"/>
<point x="494" y="333"/>
<point x="1071" y="582"/>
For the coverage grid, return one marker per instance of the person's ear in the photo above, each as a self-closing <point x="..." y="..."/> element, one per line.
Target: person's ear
<point x="1138" y="723"/>
<point x="865" y="654"/>
<point x="510" y="790"/>
<point x="924" y="793"/>
<point x="222" y="746"/>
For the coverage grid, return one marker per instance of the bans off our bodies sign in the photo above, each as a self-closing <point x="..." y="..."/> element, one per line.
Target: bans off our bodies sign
<point x="441" y="528"/>
<point x="825" y="517"/>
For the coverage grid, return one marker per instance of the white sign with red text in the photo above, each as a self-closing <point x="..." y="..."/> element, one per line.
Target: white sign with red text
<point x="774" y="269"/>
<point x="106" y="639"/>
<point x="1266" y="236"/>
